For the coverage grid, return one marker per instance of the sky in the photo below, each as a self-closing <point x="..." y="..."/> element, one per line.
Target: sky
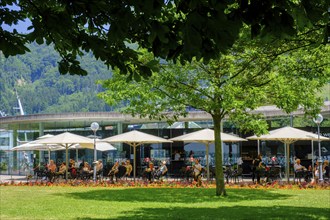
<point x="21" y="26"/>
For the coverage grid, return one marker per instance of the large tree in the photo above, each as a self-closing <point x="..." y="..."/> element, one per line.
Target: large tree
<point x="172" y="30"/>
<point x="251" y="74"/>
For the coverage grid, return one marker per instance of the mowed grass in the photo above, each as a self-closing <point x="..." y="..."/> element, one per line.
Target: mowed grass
<point x="23" y="202"/>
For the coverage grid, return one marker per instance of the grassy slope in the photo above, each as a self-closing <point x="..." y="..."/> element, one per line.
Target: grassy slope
<point x="164" y="203"/>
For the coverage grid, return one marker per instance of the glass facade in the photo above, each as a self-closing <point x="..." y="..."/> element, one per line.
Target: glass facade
<point x="177" y="154"/>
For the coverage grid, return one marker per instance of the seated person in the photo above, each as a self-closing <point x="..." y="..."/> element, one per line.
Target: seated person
<point x="129" y="168"/>
<point x="189" y="173"/>
<point x="81" y="165"/>
<point x="99" y="166"/>
<point x="300" y="170"/>
<point x="274" y="161"/>
<point x="61" y="170"/>
<point x="326" y="170"/>
<point x="161" y="171"/>
<point x="114" y="170"/>
<point x="51" y="170"/>
<point x="298" y="167"/>
<point x="149" y="170"/>
<point x="72" y="163"/>
<point x="197" y="172"/>
<point x="40" y="170"/>
<point x="177" y="156"/>
<point x="72" y="169"/>
<point x="121" y="170"/>
<point x="87" y="172"/>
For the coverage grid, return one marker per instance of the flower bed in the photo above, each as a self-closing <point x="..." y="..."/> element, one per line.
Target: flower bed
<point x="167" y="184"/>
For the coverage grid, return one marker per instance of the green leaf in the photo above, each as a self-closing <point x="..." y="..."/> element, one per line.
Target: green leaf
<point x="63" y="67"/>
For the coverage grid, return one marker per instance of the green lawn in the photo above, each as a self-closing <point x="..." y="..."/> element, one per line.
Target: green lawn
<point x="23" y="202"/>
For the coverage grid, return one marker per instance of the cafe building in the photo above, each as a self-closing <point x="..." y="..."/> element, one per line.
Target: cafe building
<point x="16" y="130"/>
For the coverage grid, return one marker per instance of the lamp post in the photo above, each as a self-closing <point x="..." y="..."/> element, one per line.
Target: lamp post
<point x="94" y="126"/>
<point x="318" y="120"/>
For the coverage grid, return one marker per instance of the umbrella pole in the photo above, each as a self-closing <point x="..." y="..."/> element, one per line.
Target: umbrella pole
<point x="95" y="158"/>
<point x="66" y="161"/>
<point x="287" y="162"/>
<point x="77" y="155"/>
<point x="48" y="156"/>
<point x="134" y="150"/>
<point x="207" y="161"/>
<point x="313" y="158"/>
<point x="258" y="146"/>
<point x="40" y="157"/>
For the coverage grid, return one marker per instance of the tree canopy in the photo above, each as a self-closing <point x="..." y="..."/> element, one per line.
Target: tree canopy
<point x="178" y="30"/>
<point x="250" y="74"/>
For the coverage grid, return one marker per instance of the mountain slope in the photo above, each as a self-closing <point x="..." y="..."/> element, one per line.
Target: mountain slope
<point x="42" y="89"/>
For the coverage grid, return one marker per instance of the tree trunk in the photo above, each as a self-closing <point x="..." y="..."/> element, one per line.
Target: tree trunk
<point x="220" y="180"/>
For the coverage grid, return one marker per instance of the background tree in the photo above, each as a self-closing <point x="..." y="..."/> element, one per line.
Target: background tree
<point x="171" y="30"/>
<point x="251" y="74"/>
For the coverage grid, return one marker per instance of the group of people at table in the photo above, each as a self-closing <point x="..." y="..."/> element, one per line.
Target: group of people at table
<point x="151" y="172"/>
<point x="124" y="169"/>
<point x="260" y="169"/>
<point x="119" y="170"/>
<point x="51" y="171"/>
<point x="310" y="172"/>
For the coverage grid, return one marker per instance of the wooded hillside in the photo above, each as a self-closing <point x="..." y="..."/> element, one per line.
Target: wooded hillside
<point x="42" y="89"/>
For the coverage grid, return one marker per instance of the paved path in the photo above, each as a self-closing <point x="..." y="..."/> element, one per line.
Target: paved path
<point x="8" y="178"/>
<point x="22" y="178"/>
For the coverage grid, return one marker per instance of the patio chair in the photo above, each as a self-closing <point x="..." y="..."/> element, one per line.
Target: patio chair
<point x="189" y="173"/>
<point x="228" y="172"/>
<point x="40" y="173"/>
<point x="158" y="174"/>
<point x="61" y="176"/>
<point x="73" y="173"/>
<point x="181" y="173"/>
<point x="212" y="172"/>
<point x="236" y="174"/>
<point x="274" y="174"/>
<point x="121" y="172"/>
<point x="298" y="175"/>
<point x="326" y="178"/>
<point x="99" y="174"/>
<point x="85" y="175"/>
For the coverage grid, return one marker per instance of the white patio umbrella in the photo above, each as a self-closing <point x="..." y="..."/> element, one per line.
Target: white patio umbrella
<point x="258" y="138"/>
<point x="134" y="139"/>
<point x="67" y="140"/>
<point x="100" y="146"/>
<point x="206" y="136"/>
<point x="33" y="145"/>
<point x="289" y="135"/>
<point x="104" y="146"/>
<point x="28" y="146"/>
<point x="41" y="147"/>
<point x="45" y="136"/>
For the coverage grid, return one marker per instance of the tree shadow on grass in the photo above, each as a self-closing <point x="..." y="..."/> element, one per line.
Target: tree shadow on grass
<point x="185" y="195"/>
<point x="236" y="212"/>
